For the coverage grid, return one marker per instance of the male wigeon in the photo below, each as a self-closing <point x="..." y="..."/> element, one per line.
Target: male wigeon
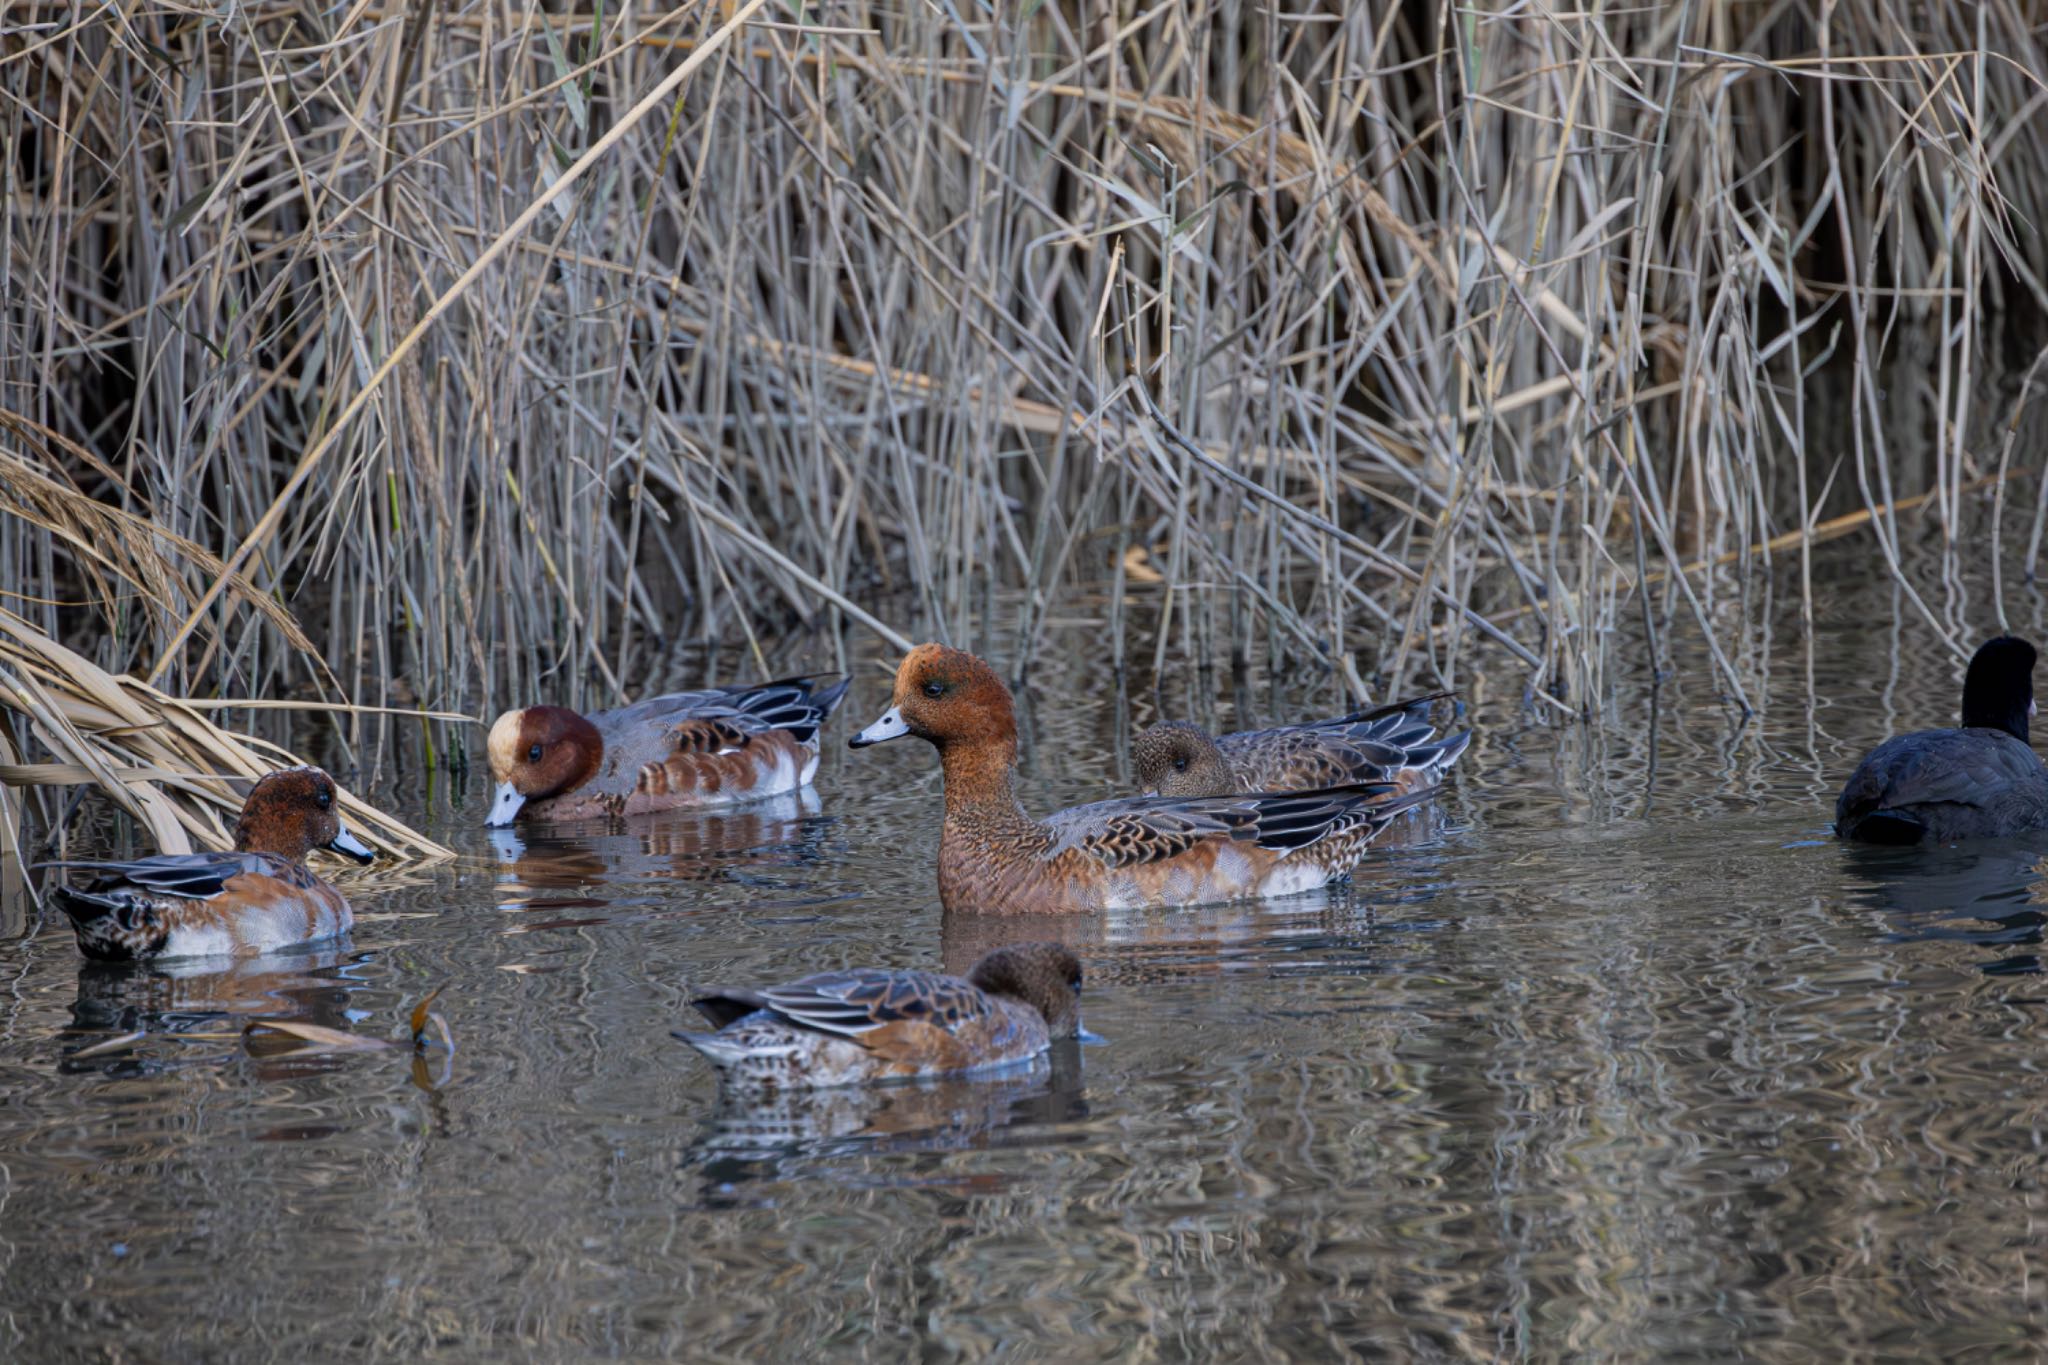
<point x="717" y="747"/>
<point x="869" y="1024"/>
<point x="1118" y="854"/>
<point x="258" y="898"/>
<point x="1394" y="744"/>
<point x="1983" y="780"/>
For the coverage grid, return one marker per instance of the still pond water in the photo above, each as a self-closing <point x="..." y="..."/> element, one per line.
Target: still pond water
<point x="1620" y="1057"/>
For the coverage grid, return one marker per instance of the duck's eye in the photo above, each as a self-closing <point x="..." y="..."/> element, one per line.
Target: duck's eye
<point x="935" y="689"/>
<point x="325" y="798"/>
<point x="1180" y="765"/>
<point x="533" y="754"/>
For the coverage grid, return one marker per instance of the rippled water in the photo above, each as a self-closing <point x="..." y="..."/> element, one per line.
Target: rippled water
<point x="1622" y="1057"/>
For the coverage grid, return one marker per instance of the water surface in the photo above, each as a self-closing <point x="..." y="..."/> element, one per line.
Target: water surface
<point x="1620" y="1056"/>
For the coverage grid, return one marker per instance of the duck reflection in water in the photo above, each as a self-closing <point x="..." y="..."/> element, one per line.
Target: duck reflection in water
<point x="1989" y="892"/>
<point x="756" y="1137"/>
<point x="537" y="866"/>
<point x="191" y="1001"/>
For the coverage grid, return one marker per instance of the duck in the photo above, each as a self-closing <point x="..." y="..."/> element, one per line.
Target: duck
<point x="1393" y="743"/>
<point x="256" y="899"/>
<point x="720" y="746"/>
<point x="869" y="1024"/>
<point x="1123" y="853"/>
<point x="1981" y="780"/>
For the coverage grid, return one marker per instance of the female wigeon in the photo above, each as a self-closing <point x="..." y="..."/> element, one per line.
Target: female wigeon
<point x="1983" y="780"/>
<point x="1137" y="851"/>
<point x="717" y="747"/>
<point x="869" y="1024"/>
<point x="1395" y="744"/>
<point x="258" y="898"/>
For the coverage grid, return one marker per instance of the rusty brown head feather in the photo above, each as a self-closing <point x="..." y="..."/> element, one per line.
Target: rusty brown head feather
<point x="1045" y="976"/>
<point x="291" y="813"/>
<point x="539" y="752"/>
<point x="1175" y="758"/>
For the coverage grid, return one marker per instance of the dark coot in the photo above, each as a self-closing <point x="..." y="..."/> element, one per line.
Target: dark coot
<point x="1980" y="781"/>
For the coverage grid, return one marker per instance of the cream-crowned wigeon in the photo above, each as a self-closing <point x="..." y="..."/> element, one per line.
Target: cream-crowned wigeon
<point x="256" y="899"/>
<point x="869" y="1024"/>
<point x="1119" y="854"/>
<point x="717" y="747"/>
<point x="1982" y="781"/>
<point x="1395" y="744"/>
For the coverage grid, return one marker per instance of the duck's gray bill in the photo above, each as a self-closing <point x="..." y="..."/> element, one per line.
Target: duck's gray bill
<point x="348" y="846"/>
<point x="890" y="726"/>
<point x="504" y="807"/>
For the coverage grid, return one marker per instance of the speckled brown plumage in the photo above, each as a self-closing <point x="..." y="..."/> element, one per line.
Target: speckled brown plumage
<point x="1394" y="744"/>
<point x="716" y="747"/>
<point x="1162" y="851"/>
<point x="258" y="898"/>
<point x="868" y="1024"/>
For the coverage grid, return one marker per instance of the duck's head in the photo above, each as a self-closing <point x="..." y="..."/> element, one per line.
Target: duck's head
<point x="291" y="813"/>
<point x="1174" y="758"/>
<point x="536" y="753"/>
<point x="1045" y="976"/>
<point x="1998" y="691"/>
<point x="948" y="697"/>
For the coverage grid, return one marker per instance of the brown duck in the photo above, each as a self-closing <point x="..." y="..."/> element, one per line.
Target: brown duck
<point x="869" y="1024"/>
<point x="1118" y="854"/>
<point x="716" y="747"/>
<point x="1394" y="744"/>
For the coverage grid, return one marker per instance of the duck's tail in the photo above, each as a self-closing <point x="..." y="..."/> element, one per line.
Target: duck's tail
<point x="1437" y="759"/>
<point x="85" y="907"/>
<point x="1883" y="827"/>
<point x="112" y="926"/>
<point x="716" y="1051"/>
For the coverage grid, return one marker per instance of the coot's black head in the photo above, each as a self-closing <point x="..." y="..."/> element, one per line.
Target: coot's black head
<point x="1998" y="691"/>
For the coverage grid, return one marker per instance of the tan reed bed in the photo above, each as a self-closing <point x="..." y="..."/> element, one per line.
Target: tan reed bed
<point x="508" y="349"/>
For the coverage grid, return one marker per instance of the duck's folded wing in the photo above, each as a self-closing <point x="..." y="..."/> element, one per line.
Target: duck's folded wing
<point x="799" y="705"/>
<point x="199" y="876"/>
<point x="1306" y="757"/>
<point x="1365" y="746"/>
<point x="853" y="1002"/>
<point x="1123" y="833"/>
<point x="1953" y="767"/>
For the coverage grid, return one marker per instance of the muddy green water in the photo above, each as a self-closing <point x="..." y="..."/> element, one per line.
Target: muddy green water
<point x="1621" y="1058"/>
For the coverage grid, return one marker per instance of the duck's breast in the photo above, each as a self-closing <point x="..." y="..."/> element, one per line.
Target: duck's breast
<point x="256" y="913"/>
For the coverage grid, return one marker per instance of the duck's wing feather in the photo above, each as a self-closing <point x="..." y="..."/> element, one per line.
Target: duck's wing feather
<point x="1135" y="830"/>
<point x="198" y="876"/>
<point x="859" y="1000"/>
<point x="798" y="705"/>
<point x="1939" y="767"/>
<point x="1365" y="746"/>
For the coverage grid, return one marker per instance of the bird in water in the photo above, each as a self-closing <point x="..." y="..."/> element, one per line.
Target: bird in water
<point x="258" y="898"/>
<point x="1979" y="780"/>
<point x="1395" y="744"/>
<point x="870" y="1024"/>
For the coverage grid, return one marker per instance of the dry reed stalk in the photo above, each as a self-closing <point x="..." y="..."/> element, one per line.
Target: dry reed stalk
<point x="503" y="350"/>
<point x="157" y="758"/>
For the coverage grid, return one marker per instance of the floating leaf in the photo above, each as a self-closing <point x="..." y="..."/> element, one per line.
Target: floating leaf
<point x="421" y="1013"/>
<point x="120" y="1044"/>
<point x="320" y="1037"/>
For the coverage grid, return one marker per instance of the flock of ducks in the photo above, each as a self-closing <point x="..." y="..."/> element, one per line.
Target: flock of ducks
<point x="1255" y="814"/>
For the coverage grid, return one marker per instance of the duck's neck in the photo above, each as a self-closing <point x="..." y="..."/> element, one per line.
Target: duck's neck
<point x="981" y="783"/>
<point x="251" y="837"/>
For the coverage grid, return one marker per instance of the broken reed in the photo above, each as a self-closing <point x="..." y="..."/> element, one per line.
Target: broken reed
<point x="503" y="367"/>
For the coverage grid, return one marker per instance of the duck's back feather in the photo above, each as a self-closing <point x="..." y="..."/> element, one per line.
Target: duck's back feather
<point x="1947" y="784"/>
<point x="1127" y="831"/>
<point x="1367" y="746"/>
